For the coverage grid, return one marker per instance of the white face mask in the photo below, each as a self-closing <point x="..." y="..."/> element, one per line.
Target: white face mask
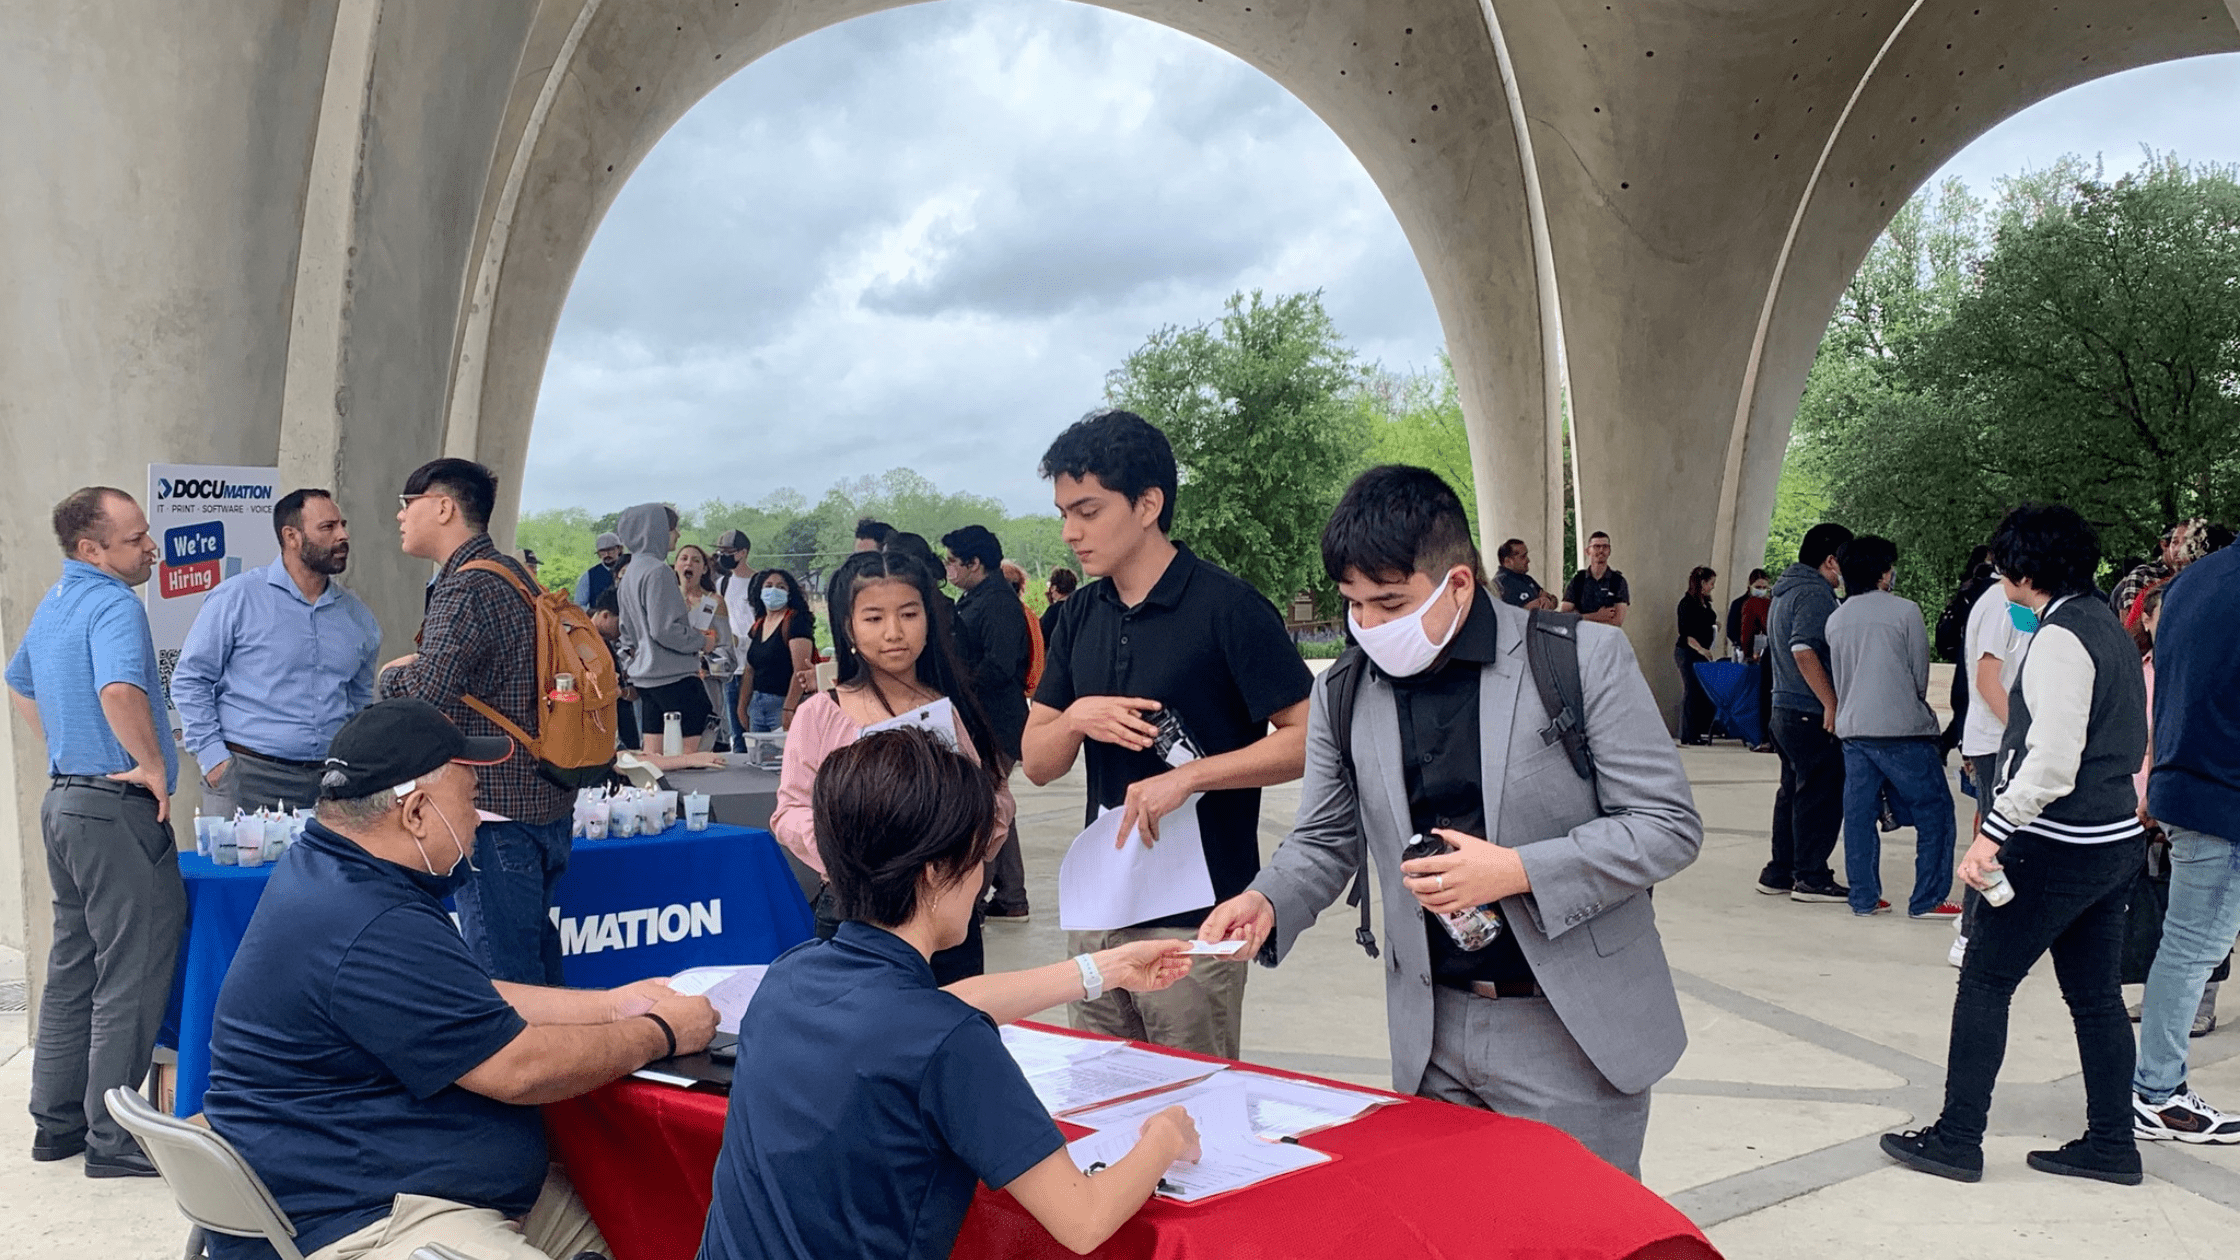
<point x="773" y="597"/>
<point x="464" y="856"/>
<point x="1401" y="647"/>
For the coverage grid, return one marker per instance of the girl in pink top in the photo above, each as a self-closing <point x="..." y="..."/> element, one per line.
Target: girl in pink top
<point x="892" y="644"/>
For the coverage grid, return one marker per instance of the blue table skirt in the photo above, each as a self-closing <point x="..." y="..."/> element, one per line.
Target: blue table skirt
<point x="628" y="909"/>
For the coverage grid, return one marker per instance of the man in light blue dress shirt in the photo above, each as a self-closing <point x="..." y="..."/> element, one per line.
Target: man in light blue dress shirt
<point x="85" y="678"/>
<point x="279" y="658"/>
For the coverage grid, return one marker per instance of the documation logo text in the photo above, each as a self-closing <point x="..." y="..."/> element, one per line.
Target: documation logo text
<point x="631" y="929"/>
<point x="207" y="488"/>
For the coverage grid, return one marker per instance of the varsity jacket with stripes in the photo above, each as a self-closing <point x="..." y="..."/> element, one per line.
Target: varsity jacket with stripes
<point x="2076" y="731"/>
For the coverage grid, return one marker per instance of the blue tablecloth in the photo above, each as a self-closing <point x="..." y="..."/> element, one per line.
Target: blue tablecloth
<point x="628" y="909"/>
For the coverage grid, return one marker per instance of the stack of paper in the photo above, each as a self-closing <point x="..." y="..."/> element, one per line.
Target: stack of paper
<point x="1070" y="1073"/>
<point x="1272" y="1107"/>
<point x="728" y="989"/>
<point x="1230" y="1157"/>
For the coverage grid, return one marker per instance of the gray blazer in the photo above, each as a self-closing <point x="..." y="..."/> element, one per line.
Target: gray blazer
<point x="1587" y="927"/>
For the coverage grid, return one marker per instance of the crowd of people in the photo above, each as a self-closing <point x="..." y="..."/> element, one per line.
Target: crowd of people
<point x="1487" y="753"/>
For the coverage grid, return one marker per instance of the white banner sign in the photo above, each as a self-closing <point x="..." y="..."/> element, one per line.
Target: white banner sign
<point x="209" y="522"/>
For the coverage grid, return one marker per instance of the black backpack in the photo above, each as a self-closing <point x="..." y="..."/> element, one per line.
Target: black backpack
<point x="1551" y="649"/>
<point x="1951" y="639"/>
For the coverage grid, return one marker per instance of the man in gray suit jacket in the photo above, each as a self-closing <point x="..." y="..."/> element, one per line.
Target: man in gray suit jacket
<point x="1569" y="1015"/>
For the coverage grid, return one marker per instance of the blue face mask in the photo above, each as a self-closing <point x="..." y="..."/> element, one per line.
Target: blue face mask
<point x="2025" y="618"/>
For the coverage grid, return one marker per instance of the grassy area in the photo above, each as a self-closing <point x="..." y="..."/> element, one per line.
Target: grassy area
<point x="1325" y="651"/>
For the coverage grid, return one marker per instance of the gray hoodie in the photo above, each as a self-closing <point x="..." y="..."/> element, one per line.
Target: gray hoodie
<point x="662" y="645"/>
<point x="1802" y="600"/>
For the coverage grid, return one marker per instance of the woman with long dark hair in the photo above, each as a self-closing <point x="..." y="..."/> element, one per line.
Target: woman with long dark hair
<point x="779" y="652"/>
<point x="897" y="661"/>
<point x="1699" y="631"/>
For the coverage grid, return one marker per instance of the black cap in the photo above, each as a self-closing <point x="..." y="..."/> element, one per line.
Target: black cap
<point x="732" y="540"/>
<point x="389" y="744"/>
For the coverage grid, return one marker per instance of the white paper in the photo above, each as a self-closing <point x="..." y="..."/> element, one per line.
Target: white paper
<point x="940" y="717"/>
<point x="728" y="989"/>
<point x="1101" y="887"/>
<point x="1266" y="1106"/>
<point x="1037" y="1051"/>
<point x="664" y="1078"/>
<point x="1218" y="949"/>
<point x="1231" y="1166"/>
<point x="1117" y="1073"/>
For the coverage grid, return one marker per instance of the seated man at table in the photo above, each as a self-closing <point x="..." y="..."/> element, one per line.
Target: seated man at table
<point x="868" y="1103"/>
<point x="375" y="1076"/>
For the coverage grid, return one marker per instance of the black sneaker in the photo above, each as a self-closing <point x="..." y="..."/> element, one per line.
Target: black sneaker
<point x="126" y="1163"/>
<point x="46" y="1150"/>
<point x="2183" y="1117"/>
<point x="2080" y="1159"/>
<point x="1772" y="889"/>
<point x="1019" y="914"/>
<point x="1931" y="1152"/>
<point x="1829" y="891"/>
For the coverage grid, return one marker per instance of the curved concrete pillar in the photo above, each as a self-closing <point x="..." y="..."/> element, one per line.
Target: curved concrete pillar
<point x="1414" y="89"/>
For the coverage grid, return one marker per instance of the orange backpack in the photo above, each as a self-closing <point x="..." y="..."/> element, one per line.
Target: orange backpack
<point x="575" y="739"/>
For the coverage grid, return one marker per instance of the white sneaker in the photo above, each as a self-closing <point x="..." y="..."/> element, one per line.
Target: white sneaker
<point x="2184" y="1118"/>
<point x="1958" y="954"/>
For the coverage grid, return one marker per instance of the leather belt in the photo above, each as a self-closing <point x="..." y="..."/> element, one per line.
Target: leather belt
<point x="1506" y="989"/>
<point x="100" y="784"/>
<point x="278" y="761"/>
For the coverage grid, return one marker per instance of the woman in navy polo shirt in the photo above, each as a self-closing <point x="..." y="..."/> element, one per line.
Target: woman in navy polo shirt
<point x="868" y="1103"/>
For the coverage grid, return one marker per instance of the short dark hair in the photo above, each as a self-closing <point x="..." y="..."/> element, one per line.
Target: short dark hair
<point x="1508" y="549"/>
<point x="288" y="512"/>
<point x="915" y="548"/>
<point x="1394" y="520"/>
<point x="2049" y="546"/>
<point x="1864" y="560"/>
<point x="891" y="807"/>
<point x="84" y="514"/>
<point x="1820" y="542"/>
<point x="975" y="542"/>
<point x="464" y="482"/>
<point x="1756" y="575"/>
<point x="608" y="602"/>
<point x="873" y="531"/>
<point x="1063" y="582"/>
<point x="1598" y="534"/>
<point x="1124" y="452"/>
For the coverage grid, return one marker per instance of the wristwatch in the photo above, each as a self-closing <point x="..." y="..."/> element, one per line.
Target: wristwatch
<point x="1092" y="980"/>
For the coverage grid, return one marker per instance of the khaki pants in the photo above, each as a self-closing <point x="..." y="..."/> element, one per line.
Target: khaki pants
<point x="1203" y="1012"/>
<point x="557" y="1228"/>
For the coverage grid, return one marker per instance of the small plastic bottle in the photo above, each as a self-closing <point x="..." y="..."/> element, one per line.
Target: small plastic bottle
<point x="1472" y="929"/>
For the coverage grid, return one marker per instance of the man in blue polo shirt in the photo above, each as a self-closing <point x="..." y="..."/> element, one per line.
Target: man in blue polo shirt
<point x="85" y="679"/>
<point x="379" y="1081"/>
<point x="278" y="659"/>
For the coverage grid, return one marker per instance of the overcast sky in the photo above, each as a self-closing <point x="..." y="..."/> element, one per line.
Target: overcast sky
<point x="920" y="239"/>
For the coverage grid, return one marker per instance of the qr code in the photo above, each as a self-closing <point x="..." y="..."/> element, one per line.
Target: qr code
<point x="167" y="660"/>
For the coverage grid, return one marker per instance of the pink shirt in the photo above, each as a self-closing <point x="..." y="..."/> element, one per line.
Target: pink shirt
<point x="819" y="726"/>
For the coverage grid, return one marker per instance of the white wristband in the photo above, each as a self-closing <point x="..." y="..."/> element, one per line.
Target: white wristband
<point x="1092" y="980"/>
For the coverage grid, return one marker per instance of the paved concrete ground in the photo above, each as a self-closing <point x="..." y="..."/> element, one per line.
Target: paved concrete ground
<point x="1812" y="1032"/>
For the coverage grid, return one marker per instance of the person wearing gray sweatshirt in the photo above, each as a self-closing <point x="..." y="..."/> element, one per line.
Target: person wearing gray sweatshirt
<point x="662" y="650"/>
<point x="1878" y="647"/>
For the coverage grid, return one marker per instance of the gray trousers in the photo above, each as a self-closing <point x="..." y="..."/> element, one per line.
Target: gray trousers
<point x="118" y="909"/>
<point x="1514" y="1056"/>
<point x="250" y="782"/>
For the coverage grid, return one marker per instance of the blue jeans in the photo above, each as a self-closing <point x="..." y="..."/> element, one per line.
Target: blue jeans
<point x="505" y="908"/>
<point x="1914" y="769"/>
<point x="731" y="709"/>
<point x="2204" y="916"/>
<point x="765" y="712"/>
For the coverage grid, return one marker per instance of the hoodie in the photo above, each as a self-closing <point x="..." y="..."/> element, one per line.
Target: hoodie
<point x="662" y="646"/>
<point x="1802" y="600"/>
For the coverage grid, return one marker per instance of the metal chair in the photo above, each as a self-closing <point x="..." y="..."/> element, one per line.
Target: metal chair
<point x="215" y="1188"/>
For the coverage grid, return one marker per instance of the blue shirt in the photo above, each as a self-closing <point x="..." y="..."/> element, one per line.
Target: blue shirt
<point x="867" y="1105"/>
<point x="2196" y="781"/>
<point x="273" y="671"/>
<point x="89" y="631"/>
<point x="348" y="1015"/>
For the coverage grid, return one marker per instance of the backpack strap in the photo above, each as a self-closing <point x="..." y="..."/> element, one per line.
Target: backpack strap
<point x="1551" y="648"/>
<point x="1342" y="690"/>
<point x="520" y="737"/>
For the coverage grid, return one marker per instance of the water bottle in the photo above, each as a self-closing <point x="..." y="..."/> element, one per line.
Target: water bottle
<point x="672" y="733"/>
<point x="1997" y="892"/>
<point x="1472" y="929"/>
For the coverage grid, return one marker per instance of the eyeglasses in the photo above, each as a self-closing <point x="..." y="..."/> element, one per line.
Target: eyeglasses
<point x="407" y="500"/>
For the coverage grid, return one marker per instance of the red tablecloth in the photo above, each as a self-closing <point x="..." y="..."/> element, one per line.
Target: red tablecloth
<point x="1420" y="1179"/>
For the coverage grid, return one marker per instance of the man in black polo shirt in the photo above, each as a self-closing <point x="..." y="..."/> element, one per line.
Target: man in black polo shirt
<point x="1598" y="592"/>
<point x="383" y="1086"/>
<point x="1519" y="589"/>
<point x="1162" y="633"/>
<point x="992" y="641"/>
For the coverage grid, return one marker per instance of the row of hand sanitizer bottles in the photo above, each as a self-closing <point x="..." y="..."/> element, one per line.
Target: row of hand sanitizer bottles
<point x="621" y="813"/>
<point x="248" y="839"/>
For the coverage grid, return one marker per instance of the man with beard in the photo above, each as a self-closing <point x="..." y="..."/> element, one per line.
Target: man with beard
<point x="279" y="658"/>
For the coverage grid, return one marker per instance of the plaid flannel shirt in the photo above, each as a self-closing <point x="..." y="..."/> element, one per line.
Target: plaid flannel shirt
<point x="478" y="638"/>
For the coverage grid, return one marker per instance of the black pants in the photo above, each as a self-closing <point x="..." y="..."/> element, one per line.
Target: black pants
<point x="1808" y="810"/>
<point x="1695" y="703"/>
<point x="2070" y="899"/>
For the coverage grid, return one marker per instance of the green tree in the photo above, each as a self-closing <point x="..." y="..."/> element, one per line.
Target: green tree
<point x="1258" y="407"/>
<point x="1416" y="419"/>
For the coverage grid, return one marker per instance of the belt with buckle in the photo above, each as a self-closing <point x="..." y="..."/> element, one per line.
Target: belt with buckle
<point x="278" y="761"/>
<point x="1506" y="989"/>
<point x="100" y="783"/>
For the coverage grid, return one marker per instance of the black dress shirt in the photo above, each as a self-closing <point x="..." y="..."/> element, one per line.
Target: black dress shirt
<point x="992" y="639"/>
<point x="1444" y="774"/>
